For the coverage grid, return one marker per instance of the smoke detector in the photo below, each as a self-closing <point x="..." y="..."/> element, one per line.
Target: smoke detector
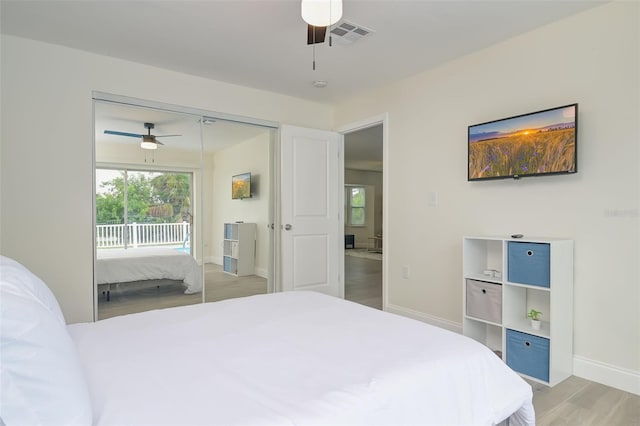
<point x="320" y="83"/>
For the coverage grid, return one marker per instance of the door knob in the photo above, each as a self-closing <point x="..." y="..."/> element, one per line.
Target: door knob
<point x="287" y="227"/>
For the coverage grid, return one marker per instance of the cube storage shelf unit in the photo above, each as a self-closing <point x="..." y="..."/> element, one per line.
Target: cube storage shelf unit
<point x="239" y="250"/>
<point x="503" y="279"/>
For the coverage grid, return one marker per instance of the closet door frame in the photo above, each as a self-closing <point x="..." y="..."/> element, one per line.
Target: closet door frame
<point x="201" y="114"/>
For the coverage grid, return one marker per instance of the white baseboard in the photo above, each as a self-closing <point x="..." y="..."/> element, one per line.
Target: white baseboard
<point x="261" y="272"/>
<point x="429" y="319"/>
<point x="596" y="371"/>
<point x="607" y="374"/>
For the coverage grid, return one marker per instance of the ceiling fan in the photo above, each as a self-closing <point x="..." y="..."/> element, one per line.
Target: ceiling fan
<point x="315" y="34"/>
<point x="147" y="141"/>
<point x="320" y="14"/>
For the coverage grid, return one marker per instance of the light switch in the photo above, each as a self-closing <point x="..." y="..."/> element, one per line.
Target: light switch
<point x="432" y="199"/>
<point x="405" y="272"/>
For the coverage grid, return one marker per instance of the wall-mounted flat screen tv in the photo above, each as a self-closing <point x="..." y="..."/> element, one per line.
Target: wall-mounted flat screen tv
<point x="241" y="186"/>
<point x="534" y="144"/>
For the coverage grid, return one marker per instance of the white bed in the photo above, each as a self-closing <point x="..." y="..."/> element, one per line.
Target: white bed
<point x="123" y="266"/>
<point x="294" y="358"/>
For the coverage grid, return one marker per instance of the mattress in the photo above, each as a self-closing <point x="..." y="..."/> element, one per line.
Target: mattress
<point x="122" y="266"/>
<point x="300" y="358"/>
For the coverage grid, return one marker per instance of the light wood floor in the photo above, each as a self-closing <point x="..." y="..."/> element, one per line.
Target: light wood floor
<point x="574" y="402"/>
<point x="580" y="402"/>
<point x="363" y="284"/>
<point x="157" y="294"/>
<point x="221" y="286"/>
<point x="143" y="296"/>
<point x="363" y="281"/>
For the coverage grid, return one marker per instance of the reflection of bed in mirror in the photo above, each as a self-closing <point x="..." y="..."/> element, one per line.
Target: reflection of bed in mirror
<point x="120" y="266"/>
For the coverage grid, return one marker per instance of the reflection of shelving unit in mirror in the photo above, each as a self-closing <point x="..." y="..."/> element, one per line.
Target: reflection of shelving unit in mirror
<point x="239" y="248"/>
<point x="503" y="279"/>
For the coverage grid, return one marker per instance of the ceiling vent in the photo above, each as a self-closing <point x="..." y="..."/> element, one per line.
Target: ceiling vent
<point x="345" y="32"/>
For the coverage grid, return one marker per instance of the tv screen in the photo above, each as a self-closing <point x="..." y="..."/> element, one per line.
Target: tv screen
<point x="538" y="143"/>
<point x="241" y="186"/>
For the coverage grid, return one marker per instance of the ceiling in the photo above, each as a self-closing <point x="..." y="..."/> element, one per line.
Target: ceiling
<point x="262" y="44"/>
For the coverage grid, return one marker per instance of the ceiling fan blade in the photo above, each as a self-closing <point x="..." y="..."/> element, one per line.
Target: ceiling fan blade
<point x="166" y="136"/>
<point x="131" y="135"/>
<point x="315" y="34"/>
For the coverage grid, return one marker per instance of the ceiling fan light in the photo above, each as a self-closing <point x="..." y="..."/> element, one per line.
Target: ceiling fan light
<point x="145" y="144"/>
<point x="321" y="13"/>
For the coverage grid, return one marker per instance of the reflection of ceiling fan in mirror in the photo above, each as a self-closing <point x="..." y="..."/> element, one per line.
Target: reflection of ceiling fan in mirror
<point x="147" y="141"/>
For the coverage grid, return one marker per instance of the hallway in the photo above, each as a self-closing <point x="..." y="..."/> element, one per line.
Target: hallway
<point x="363" y="281"/>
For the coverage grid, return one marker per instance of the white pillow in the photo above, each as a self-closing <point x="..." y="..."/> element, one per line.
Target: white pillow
<point x="41" y="380"/>
<point x="17" y="279"/>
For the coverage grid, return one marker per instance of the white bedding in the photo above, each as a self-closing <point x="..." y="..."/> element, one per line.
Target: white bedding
<point x="121" y="266"/>
<point x="289" y="358"/>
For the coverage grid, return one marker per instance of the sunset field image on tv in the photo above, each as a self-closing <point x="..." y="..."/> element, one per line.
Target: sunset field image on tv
<point x="534" y="144"/>
<point x="241" y="186"/>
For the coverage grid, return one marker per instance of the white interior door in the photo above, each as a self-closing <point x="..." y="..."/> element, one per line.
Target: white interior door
<point x="312" y="178"/>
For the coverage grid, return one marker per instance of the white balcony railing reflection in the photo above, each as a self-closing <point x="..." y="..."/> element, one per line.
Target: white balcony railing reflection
<point x="142" y="234"/>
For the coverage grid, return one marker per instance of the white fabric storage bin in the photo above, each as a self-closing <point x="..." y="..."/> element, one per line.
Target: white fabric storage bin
<point x="484" y="301"/>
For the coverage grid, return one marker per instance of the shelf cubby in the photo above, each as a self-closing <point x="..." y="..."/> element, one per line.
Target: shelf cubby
<point x="541" y="278"/>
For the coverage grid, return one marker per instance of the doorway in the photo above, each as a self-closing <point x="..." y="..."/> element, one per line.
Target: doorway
<point x="363" y="215"/>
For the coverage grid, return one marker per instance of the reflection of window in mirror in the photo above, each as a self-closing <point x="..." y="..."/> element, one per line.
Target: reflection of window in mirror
<point x="136" y="209"/>
<point x="356" y="200"/>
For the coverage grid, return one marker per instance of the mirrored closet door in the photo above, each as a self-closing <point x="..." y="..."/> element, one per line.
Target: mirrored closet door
<point x="238" y="199"/>
<point x="166" y="209"/>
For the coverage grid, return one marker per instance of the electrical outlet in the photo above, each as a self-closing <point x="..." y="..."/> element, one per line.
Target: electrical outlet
<point x="405" y="272"/>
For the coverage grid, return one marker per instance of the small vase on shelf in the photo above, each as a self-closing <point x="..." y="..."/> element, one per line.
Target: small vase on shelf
<point x="535" y="319"/>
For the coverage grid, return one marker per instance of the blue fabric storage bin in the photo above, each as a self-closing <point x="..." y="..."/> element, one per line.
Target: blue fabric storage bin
<point x="528" y="354"/>
<point x="227" y="264"/>
<point x="529" y="263"/>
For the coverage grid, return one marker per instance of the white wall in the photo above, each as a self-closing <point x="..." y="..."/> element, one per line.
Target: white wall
<point x="249" y="156"/>
<point x="592" y="59"/>
<point x="47" y="149"/>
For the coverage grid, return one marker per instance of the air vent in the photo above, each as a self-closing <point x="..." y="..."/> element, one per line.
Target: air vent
<point x="346" y="32"/>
